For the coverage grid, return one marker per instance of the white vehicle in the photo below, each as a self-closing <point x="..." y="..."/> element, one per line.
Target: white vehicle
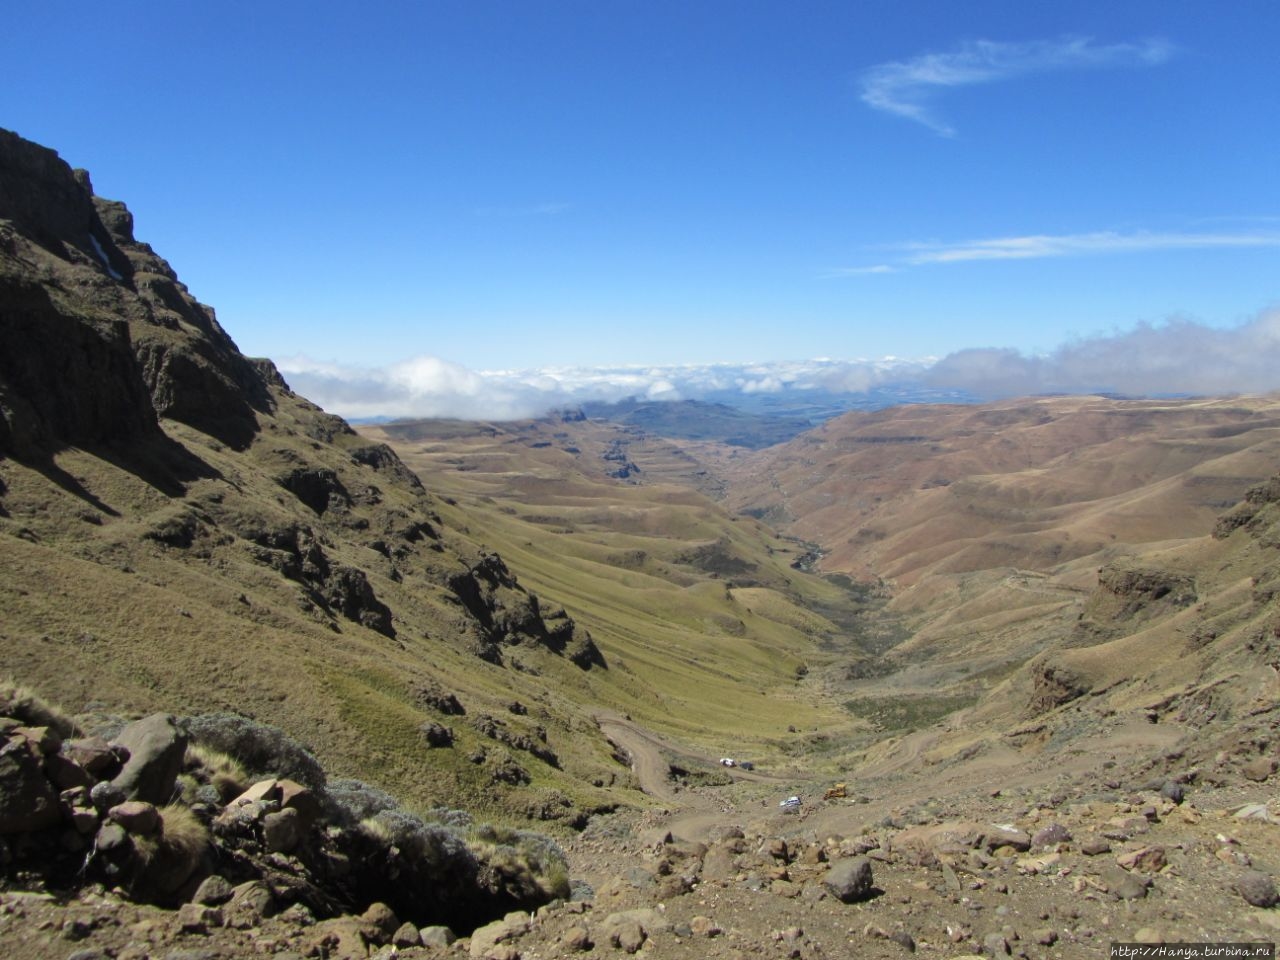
<point x="728" y="762"/>
<point x="790" y="804"/>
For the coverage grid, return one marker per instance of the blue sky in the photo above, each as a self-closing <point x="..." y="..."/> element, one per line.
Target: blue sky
<point x="448" y="188"/>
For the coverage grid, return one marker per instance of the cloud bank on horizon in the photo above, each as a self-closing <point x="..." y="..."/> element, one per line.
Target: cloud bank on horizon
<point x="1178" y="356"/>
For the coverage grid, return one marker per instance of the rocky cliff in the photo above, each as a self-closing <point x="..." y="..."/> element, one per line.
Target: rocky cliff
<point x="223" y="542"/>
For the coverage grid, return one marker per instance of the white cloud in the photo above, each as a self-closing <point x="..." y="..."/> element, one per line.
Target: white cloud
<point x="907" y="87"/>
<point x="1178" y="356"/>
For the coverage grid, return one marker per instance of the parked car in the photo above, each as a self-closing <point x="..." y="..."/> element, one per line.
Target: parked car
<point x="728" y="762"/>
<point x="790" y="805"/>
<point x="746" y="765"/>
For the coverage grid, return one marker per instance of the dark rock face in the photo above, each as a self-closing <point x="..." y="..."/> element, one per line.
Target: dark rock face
<point x="1053" y="686"/>
<point x="97" y="335"/>
<point x="65" y="379"/>
<point x="1246" y="514"/>
<point x="1137" y="588"/>
<point x="508" y="614"/>
<point x="318" y="487"/>
<point x="348" y="592"/>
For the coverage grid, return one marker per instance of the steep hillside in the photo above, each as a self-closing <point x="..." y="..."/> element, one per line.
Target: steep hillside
<point x="179" y="531"/>
<point x="722" y="640"/>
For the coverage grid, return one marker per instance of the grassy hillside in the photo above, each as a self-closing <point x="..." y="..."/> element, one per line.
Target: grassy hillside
<point x="709" y="631"/>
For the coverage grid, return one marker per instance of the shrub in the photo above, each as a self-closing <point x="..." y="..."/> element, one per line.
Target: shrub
<point x="262" y="749"/>
<point x="354" y="801"/>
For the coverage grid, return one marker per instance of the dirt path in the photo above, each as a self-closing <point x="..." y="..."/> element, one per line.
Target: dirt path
<point x="645" y="751"/>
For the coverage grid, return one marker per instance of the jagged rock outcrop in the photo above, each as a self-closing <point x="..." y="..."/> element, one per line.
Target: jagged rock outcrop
<point x="97" y="335"/>
<point x="279" y="843"/>
<point x="268" y="548"/>
<point x="509" y="615"/>
<point x="1249" y="513"/>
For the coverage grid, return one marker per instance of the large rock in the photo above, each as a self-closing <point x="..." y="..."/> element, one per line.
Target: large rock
<point x="156" y="747"/>
<point x="27" y="799"/>
<point x="1257" y="888"/>
<point x="849" y="880"/>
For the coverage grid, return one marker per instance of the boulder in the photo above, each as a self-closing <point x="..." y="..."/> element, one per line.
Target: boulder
<point x="27" y="800"/>
<point x="849" y="880"/>
<point x="436" y="936"/>
<point x="1257" y="888"/>
<point x="156" y="748"/>
<point x="282" y="831"/>
<point x="1258" y="769"/>
<point x="485" y="939"/>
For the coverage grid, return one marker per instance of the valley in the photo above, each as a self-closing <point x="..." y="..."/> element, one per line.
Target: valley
<point x="511" y="655"/>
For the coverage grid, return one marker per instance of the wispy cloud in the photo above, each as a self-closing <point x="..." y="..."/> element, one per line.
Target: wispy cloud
<point x="858" y="271"/>
<point x="1040" y="246"/>
<point x="908" y="87"/>
<point x="544" y="209"/>
<point x="1081" y="244"/>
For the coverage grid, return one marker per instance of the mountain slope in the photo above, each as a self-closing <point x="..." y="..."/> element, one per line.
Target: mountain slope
<point x="179" y="531"/>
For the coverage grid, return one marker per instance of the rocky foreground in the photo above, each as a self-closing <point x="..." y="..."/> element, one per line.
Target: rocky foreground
<point x="1178" y="846"/>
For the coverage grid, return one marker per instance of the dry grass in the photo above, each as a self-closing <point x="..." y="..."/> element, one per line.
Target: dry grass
<point x="23" y="703"/>
<point x="206" y="766"/>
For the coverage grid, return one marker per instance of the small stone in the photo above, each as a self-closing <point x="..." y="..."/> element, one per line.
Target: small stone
<point x="111" y="837"/>
<point x="268" y="789"/>
<point x="1045" y="936"/>
<point x="250" y="903"/>
<point x="1095" y="846"/>
<point x="156" y="749"/>
<point x="995" y="945"/>
<point x="1146" y="860"/>
<point x="197" y="918"/>
<point x="1124" y="884"/>
<point x="436" y="936"/>
<point x="76" y="929"/>
<point x="1257" y="888"/>
<point x="904" y="940"/>
<point x="213" y="892"/>
<point x="1049" y="835"/>
<point x="137" y="816"/>
<point x="406" y="935"/>
<point x="628" y="936"/>
<point x="1258" y="769"/>
<point x="1172" y="790"/>
<point x="382" y="919"/>
<point x="576" y="938"/>
<point x="950" y="879"/>
<point x="1148" y="935"/>
<point x="705" y="927"/>
<point x="106" y="795"/>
